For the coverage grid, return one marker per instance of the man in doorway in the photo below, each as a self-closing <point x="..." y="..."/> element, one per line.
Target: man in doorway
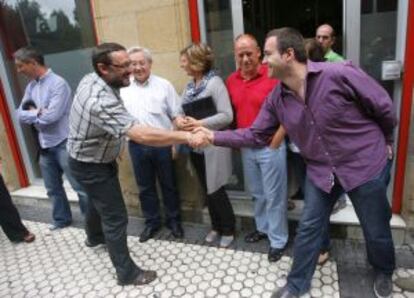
<point x="45" y="105"/>
<point x="265" y="167"/>
<point x="317" y="104"/>
<point x="325" y="35"/>
<point x="98" y="123"/>
<point x="154" y="102"/>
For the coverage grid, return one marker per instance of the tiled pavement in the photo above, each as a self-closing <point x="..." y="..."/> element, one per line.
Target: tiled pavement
<point x="58" y="264"/>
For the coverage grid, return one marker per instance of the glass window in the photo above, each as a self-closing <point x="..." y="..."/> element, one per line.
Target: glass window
<point x="378" y="38"/>
<point x="62" y="31"/>
<point x="219" y="34"/>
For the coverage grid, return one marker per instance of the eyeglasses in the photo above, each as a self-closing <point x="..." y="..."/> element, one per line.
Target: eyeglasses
<point x="121" y="66"/>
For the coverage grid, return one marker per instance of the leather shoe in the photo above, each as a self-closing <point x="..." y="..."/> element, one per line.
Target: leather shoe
<point x="274" y="254"/>
<point x="148" y="233"/>
<point x="255" y="237"/>
<point x="145" y="277"/>
<point x="89" y="243"/>
<point x="177" y="231"/>
<point x="283" y="293"/>
<point x="29" y="237"/>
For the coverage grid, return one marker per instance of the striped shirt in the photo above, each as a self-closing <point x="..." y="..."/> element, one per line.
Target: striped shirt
<point x="98" y="121"/>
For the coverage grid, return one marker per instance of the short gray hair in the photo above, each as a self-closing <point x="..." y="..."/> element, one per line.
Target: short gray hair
<point x="28" y="53"/>
<point x="145" y="51"/>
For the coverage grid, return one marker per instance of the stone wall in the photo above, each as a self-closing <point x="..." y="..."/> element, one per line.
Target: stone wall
<point x="163" y="27"/>
<point x="8" y="166"/>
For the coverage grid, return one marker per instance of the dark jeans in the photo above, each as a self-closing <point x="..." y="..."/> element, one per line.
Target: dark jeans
<point x="9" y="216"/>
<point x="374" y="213"/>
<point x="106" y="216"/>
<point x="218" y="203"/>
<point x="149" y="164"/>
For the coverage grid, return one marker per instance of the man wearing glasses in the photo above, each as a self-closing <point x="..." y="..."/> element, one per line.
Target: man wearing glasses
<point x="98" y="123"/>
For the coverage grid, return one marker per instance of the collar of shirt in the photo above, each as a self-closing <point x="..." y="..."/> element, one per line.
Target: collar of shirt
<point x="139" y="84"/>
<point x="313" y="68"/>
<point x="261" y="72"/>
<point x="44" y="76"/>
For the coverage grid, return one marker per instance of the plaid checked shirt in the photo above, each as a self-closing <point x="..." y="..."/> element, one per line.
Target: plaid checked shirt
<point x="98" y="122"/>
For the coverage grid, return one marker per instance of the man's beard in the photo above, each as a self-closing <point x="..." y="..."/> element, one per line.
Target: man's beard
<point x="119" y="83"/>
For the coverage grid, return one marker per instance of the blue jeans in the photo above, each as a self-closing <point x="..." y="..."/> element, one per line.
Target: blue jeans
<point x="149" y="164"/>
<point x="106" y="217"/>
<point x="266" y="176"/>
<point x="374" y="213"/>
<point x="53" y="163"/>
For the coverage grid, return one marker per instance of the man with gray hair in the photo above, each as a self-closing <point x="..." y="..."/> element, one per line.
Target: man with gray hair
<point x="45" y="105"/>
<point x="154" y="102"/>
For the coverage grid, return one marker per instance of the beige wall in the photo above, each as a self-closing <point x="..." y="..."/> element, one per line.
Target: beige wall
<point x="8" y="166"/>
<point x="408" y="195"/>
<point x="163" y="27"/>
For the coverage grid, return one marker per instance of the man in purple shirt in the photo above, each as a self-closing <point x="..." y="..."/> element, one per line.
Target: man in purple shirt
<point x="343" y="122"/>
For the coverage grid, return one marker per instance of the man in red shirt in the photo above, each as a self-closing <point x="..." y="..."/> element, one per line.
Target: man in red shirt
<point x="264" y="168"/>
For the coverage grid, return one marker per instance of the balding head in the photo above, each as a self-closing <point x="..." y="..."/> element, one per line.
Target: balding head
<point x="325" y="35"/>
<point x="247" y="54"/>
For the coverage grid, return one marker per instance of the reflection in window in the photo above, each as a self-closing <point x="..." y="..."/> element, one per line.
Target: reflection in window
<point x="220" y="34"/>
<point x="49" y="25"/>
<point x="378" y="38"/>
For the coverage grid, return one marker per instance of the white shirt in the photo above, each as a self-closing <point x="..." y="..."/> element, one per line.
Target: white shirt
<point x="154" y="103"/>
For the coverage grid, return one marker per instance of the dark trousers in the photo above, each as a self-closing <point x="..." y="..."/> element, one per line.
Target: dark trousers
<point x="374" y="214"/>
<point x="218" y="203"/>
<point x="299" y="169"/>
<point x="106" y="216"/>
<point x="9" y="216"/>
<point x="149" y="164"/>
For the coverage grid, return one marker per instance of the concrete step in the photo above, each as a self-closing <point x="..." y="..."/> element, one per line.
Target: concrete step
<point x="345" y="218"/>
<point x="35" y="195"/>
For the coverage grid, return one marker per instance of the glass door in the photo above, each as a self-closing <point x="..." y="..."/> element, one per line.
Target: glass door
<point x="222" y="21"/>
<point x="375" y="33"/>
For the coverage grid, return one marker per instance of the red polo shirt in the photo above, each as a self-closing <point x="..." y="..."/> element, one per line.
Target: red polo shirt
<point x="248" y="96"/>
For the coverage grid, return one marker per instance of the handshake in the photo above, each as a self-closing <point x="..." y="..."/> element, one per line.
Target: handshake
<point x="200" y="137"/>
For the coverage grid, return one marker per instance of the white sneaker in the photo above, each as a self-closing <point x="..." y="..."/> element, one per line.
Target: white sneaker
<point x="225" y="241"/>
<point x="211" y="236"/>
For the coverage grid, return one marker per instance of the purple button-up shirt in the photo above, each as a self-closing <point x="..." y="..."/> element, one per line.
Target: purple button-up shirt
<point x="341" y="129"/>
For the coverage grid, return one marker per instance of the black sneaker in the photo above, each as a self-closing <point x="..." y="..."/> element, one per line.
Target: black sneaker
<point x="383" y="286"/>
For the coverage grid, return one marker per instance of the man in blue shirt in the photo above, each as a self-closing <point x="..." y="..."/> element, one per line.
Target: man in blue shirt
<point x="45" y="105"/>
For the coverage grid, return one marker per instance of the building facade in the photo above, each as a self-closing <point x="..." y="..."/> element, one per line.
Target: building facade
<point x="368" y="32"/>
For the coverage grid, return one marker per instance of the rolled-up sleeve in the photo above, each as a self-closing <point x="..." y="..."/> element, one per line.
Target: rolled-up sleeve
<point x="173" y="102"/>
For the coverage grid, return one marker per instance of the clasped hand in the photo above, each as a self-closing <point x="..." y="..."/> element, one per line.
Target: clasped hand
<point x="201" y="137"/>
